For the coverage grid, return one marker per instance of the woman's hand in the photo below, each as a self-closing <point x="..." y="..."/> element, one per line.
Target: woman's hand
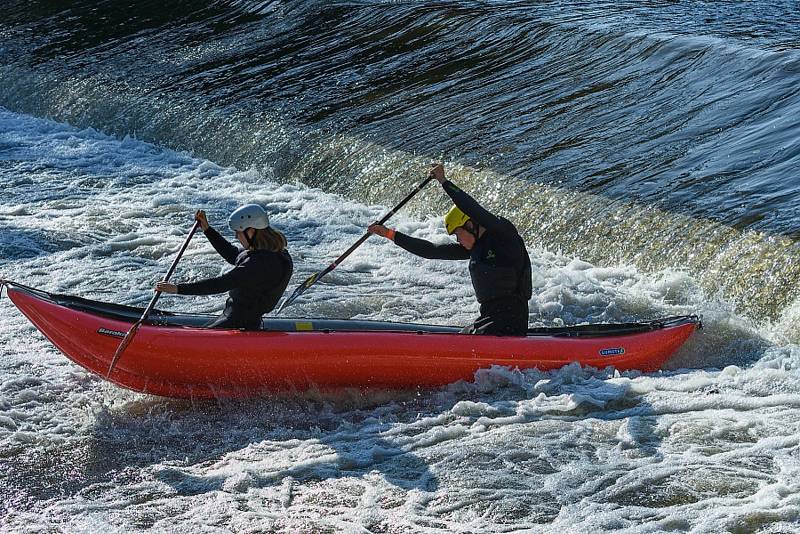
<point x="437" y="171"/>
<point x="381" y="230"/>
<point x="200" y="216"/>
<point x="166" y="287"/>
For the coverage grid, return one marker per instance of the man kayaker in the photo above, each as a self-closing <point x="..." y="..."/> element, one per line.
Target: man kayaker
<point x="498" y="261"/>
<point x="260" y="274"/>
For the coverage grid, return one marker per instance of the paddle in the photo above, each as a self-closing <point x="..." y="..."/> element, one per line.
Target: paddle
<point x="314" y="278"/>
<point x="135" y="328"/>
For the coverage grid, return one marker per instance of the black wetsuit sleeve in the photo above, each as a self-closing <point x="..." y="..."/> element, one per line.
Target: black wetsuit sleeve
<point x="220" y="284"/>
<point x="469" y="206"/>
<point x="431" y="251"/>
<point x="222" y="246"/>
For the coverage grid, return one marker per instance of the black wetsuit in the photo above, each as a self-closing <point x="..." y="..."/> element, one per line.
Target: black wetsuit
<point x="255" y="284"/>
<point x="498" y="265"/>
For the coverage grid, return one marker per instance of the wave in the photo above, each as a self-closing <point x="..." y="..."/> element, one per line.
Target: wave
<point x="641" y="147"/>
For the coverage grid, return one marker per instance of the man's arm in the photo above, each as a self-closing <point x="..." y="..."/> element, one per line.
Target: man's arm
<point x="471" y="208"/>
<point x="420" y="247"/>
<point x="431" y="251"/>
<point x="465" y="203"/>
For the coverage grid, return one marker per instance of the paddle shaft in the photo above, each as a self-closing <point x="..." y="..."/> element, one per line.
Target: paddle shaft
<point x="366" y="235"/>
<point x="135" y="328"/>
<point x="313" y="279"/>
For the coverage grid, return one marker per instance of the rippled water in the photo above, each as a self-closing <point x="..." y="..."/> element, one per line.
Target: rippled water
<point x="560" y="112"/>
<point x="647" y="150"/>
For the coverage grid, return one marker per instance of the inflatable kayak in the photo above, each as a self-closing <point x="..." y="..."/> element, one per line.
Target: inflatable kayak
<point x="173" y="356"/>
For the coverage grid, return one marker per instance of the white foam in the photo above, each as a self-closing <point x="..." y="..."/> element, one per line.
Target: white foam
<point x="708" y="444"/>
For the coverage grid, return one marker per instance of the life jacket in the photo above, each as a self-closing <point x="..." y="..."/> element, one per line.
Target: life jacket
<point x="499" y="266"/>
<point x="262" y="292"/>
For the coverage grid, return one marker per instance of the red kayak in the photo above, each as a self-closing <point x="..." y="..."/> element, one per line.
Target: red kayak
<point x="173" y="356"/>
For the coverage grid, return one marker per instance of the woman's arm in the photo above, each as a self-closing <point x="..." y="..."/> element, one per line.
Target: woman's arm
<point x="211" y="286"/>
<point x="222" y="246"/>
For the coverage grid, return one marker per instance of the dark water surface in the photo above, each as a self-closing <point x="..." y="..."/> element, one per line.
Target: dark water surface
<point x="659" y="133"/>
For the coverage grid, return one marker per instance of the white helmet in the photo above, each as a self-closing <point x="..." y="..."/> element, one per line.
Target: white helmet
<point x="248" y="216"/>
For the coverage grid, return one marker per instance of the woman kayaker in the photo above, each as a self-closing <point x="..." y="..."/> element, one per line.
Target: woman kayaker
<point x="260" y="274"/>
<point x="498" y="261"/>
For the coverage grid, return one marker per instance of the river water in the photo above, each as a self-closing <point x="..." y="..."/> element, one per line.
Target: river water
<point x="646" y="150"/>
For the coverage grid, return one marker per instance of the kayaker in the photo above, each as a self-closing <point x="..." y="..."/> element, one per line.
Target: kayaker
<point x="498" y="261"/>
<point x="260" y="274"/>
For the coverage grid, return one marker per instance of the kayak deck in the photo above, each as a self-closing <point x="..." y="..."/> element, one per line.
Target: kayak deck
<point x="172" y="356"/>
<point x="157" y="317"/>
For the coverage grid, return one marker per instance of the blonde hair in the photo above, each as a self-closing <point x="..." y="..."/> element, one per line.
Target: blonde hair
<point x="268" y="239"/>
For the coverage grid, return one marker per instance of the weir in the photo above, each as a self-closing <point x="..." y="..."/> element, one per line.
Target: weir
<point x="757" y="271"/>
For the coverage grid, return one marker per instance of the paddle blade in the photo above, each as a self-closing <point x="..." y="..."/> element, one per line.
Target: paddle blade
<point x="122" y="346"/>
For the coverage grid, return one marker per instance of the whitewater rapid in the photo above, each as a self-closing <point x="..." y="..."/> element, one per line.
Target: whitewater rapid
<point x="709" y="444"/>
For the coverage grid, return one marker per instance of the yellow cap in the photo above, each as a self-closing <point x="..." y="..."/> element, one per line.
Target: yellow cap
<point x="455" y="218"/>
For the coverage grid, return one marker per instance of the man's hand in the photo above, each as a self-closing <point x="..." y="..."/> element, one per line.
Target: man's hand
<point x="200" y="216"/>
<point x="166" y="287"/>
<point x="379" y="229"/>
<point x="437" y="171"/>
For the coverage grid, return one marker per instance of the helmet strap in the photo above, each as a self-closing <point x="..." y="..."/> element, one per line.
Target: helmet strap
<point x="472" y="228"/>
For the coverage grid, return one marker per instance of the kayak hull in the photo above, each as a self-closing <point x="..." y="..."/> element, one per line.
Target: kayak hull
<point x="185" y="361"/>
